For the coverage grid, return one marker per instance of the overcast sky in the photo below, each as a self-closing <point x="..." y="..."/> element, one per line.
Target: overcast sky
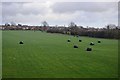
<point x="94" y="14"/>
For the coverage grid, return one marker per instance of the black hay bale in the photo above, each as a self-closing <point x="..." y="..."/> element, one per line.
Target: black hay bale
<point x="92" y="43"/>
<point x="99" y="41"/>
<point x="89" y="49"/>
<point x="68" y="40"/>
<point x="21" y="42"/>
<point x="80" y="40"/>
<point x="77" y="36"/>
<point x="75" y="46"/>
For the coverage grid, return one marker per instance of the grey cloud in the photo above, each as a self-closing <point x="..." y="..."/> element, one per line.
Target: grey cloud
<point x="12" y="9"/>
<point x="63" y="7"/>
<point x="0" y="12"/>
<point x="9" y="9"/>
<point x="89" y="13"/>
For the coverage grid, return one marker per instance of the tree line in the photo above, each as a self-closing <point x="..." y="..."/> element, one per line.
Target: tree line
<point x="74" y="30"/>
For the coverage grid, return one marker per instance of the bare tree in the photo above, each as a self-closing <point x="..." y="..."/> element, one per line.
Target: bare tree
<point x="45" y="24"/>
<point x="72" y="24"/>
<point x="13" y="24"/>
<point x="19" y="24"/>
<point x="7" y="24"/>
<point x="73" y="28"/>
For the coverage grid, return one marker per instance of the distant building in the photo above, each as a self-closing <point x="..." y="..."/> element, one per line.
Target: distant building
<point x="0" y="27"/>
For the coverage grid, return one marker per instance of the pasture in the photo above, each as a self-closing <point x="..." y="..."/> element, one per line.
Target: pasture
<point x="0" y="54"/>
<point x="46" y="55"/>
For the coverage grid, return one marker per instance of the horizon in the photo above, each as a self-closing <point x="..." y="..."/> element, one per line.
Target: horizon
<point x="63" y="25"/>
<point x="95" y="14"/>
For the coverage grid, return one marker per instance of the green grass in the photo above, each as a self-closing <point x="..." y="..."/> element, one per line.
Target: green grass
<point x="0" y="54"/>
<point x="45" y="55"/>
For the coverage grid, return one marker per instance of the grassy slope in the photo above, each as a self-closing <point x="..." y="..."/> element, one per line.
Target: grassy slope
<point x="49" y="55"/>
<point x="0" y="54"/>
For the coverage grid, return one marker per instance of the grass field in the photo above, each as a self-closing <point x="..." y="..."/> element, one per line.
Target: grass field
<point x="45" y="55"/>
<point x="0" y="54"/>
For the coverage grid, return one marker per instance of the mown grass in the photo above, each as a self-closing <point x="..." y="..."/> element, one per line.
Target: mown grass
<point x="0" y="54"/>
<point x="46" y="55"/>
